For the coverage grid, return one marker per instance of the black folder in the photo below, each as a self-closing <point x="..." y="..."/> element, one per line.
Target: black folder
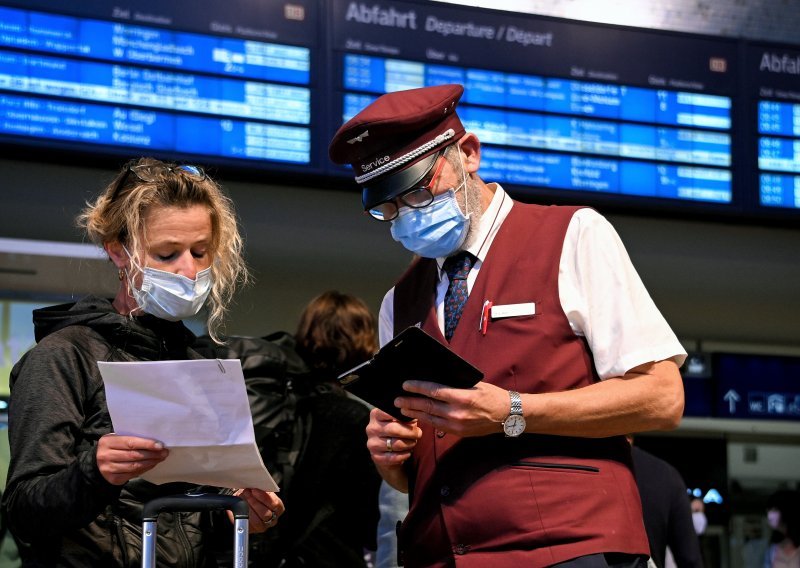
<point x="412" y="354"/>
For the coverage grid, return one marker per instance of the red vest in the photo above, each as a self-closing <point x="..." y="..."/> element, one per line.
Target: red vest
<point x="530" y="501"/>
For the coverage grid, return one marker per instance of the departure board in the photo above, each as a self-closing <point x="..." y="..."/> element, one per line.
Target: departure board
<point x="775" y="104"/>
<point x="566" y="111"/>
<point x="231" y="82"/>
<point x="557" y="105"/>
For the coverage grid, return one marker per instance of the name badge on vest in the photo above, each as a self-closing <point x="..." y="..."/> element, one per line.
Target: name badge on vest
<point x="513" y="310"/>
<point x="492" y="311"/>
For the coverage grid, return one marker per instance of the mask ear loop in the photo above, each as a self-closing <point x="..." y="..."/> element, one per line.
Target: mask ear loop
<point x="463" y="184"/>
<point x="127" y="272"/>
<point x="130" y="257"/>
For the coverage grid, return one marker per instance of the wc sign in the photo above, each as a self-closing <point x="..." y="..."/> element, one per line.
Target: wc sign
<point x="756" y="386"/>
<point x="756" y="404"/>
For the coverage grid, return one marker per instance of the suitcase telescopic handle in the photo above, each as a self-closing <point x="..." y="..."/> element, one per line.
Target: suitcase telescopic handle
<point x="193" y="502"/>
<point x="196" y="502"/>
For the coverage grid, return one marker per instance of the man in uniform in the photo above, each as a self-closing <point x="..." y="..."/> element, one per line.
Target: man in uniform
<point x="530" y="467"/>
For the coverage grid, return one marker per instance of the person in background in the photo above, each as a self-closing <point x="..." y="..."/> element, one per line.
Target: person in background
<point x="311" y="433"/>
<point x="783" y="517"/>
<point x="74" y="495"/>
<point x="530" y="467"/>
<point x="699" y="519"/>
<point x="393" y="506"/>
<point x="666" y="510"/>
<point x="336" y="332"/>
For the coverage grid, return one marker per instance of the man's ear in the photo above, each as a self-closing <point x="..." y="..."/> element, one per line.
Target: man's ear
<point x="117" y="254"/>
<point x="471" y="147"/>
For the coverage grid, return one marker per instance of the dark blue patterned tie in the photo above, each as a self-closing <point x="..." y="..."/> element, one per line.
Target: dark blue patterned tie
<point x="457" y="268"/>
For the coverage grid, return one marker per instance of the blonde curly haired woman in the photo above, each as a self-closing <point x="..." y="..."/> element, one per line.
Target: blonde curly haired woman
<point x="74" y="495"/>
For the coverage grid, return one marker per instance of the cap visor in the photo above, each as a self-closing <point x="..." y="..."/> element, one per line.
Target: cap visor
<point x="391" y="186"/>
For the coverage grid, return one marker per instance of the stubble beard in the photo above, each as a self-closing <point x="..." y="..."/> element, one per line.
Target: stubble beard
<point x="472" y="206"/>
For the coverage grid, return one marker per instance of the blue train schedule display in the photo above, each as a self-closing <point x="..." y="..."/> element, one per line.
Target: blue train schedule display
<point x="779" y="154"/>
<point x="653" y="121"/>
<point x="774" y="100"/>
<point x="554" y="113"/>
<point x="78" y="79"/>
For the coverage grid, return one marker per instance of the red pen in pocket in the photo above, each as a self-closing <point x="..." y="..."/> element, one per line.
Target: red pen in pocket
<point x="484" y="324"/>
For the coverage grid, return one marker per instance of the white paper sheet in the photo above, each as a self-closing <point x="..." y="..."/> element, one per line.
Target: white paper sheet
<point x="199" y="410"/>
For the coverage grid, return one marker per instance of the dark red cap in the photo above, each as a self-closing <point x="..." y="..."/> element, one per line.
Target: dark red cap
<point x="393" y="142"/>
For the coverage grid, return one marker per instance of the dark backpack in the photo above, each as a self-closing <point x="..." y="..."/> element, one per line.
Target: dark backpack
<point x="271" y="367"/>
<point x="280" y="389"/>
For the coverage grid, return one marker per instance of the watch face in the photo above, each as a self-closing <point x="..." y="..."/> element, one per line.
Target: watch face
<point x="514" y="425"/>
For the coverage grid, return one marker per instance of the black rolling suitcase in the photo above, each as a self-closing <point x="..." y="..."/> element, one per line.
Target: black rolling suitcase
<point x="193" y="503"/>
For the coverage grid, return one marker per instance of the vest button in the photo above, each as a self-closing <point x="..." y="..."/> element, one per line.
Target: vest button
<point x="440" y="433"/>
<point x="461" y="549"/>
<point x="444" y="491"/>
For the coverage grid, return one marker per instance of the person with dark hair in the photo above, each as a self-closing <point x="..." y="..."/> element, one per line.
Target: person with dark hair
<point x="667" y="511"/>
<point x="530" y="467"/>
<point x="74" y="495"/>
<point x="311" y="433"/>
<point x="336" y="332"/>
<point x="783" y="517"/>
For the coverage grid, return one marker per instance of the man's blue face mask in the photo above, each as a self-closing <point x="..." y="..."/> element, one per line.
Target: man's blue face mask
<point x="437" y="230"/>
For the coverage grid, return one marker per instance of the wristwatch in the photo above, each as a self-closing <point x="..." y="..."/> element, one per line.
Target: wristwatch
<point x="514" y="424"/>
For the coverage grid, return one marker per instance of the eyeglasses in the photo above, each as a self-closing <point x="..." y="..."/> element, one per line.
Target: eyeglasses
<point x="417" y="197"/>
<point x="153" y="172"/>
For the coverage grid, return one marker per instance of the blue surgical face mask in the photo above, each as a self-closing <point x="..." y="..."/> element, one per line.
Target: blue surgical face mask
<point x="434" y="231"/>
<point x="171" y="296"/>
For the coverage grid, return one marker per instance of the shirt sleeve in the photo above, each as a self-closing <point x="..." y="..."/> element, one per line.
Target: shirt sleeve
<point x="606" y="302"/>
<point x="386" y="318"/>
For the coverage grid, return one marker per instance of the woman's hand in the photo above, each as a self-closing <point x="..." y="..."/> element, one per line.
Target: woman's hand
<point x="121" y="458"/>
<point x="265" y="508"/>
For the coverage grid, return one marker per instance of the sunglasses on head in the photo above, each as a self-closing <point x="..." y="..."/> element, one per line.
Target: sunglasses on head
<point x="153" y="172"/>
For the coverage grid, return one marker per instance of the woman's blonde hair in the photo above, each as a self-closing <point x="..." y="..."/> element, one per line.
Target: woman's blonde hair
<point x="118" y="215"/>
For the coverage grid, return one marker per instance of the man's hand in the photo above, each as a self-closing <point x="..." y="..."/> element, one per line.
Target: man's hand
<point x="390" y="443"/>
<point x="476" y="411"/>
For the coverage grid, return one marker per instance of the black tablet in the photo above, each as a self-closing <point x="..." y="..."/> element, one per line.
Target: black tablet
<point x="411" y="354"/>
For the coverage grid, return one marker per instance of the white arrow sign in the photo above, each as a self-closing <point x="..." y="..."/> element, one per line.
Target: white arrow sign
<point x="732" y="397"/>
